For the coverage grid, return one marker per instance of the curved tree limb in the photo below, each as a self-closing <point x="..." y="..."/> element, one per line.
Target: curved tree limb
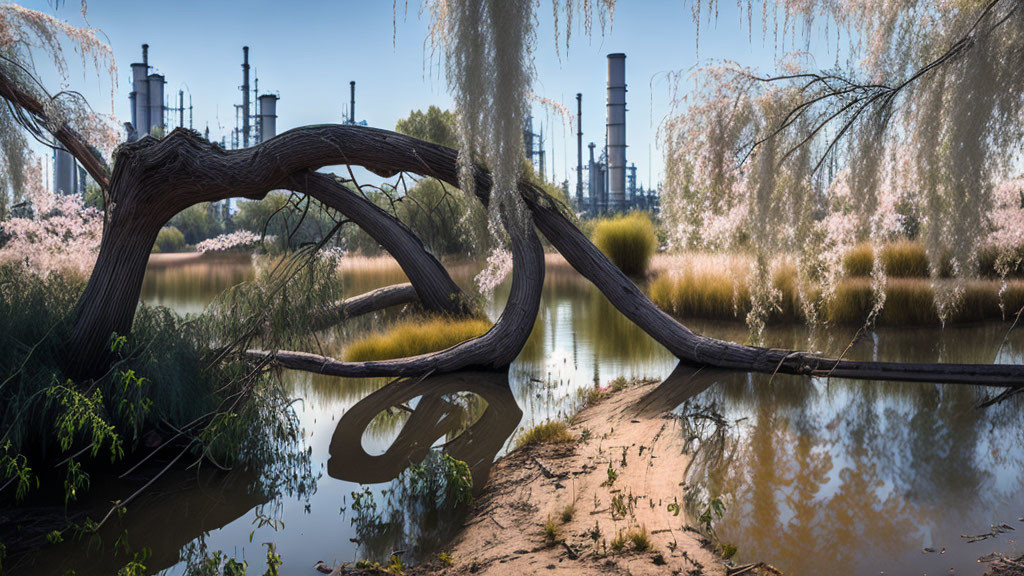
<point x="493" y="351"/>
<point x="372" y="301"/>
<point x="431" y="282"/>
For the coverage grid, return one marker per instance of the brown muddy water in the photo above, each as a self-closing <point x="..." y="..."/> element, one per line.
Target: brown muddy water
<point x="818" y="476"/>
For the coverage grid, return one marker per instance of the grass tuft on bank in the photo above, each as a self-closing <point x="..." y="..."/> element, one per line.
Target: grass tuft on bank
<point x="629" y="241"/>
<point x="546" y="433"/>
<point x="413" y="337"/>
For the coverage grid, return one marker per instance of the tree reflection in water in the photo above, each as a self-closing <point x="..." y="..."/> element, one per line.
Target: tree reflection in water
<point x="471" y="413"/>
<point x="848" y="477"/>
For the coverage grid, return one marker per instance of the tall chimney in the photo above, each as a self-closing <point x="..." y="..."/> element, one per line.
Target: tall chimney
<point x="245" y="96"/>
<point x="616" y="132"/>
<point x="352" y="104"/>
<point x="579" y="150"/>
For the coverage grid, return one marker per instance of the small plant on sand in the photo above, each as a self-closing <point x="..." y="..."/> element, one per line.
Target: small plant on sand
<point x="619" y="542"/>
<point x="728" y="551"/>
<point x="621" y="507"/>
<point x="567" y="513"/>
<point x="445" y="559"/>
<point x="547" y="433"/>
<point x="640" y="539"/>
<point x="637" y="538"/>
<point x="589" y="396"/>
<point x="550" y="532"/>
<point x="629" y="241"/>
<point x="612" y="475"/>
<point x="619" y="384"/>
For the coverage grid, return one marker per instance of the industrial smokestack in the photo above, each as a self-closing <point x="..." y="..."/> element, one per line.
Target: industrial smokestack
<point x="64" y="172"/>
<point x="245" y="97"/>
<point x="155" y="87"/>
<point x="616" y="132"/>
<point x="579" y="150"/>
<point x="139" y="97"/>
<point x="597" y="188"/>
<point x="352" y="104"/>
<point x="268" y="116"/>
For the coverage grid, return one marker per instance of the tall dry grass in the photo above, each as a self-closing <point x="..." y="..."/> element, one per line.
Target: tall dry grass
<point x="412" y="337"/>
<point x="714" y="287"/>
<point x="628" y="240"/>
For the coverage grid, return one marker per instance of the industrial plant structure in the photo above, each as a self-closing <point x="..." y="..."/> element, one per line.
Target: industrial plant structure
<point x="611" y="183"/>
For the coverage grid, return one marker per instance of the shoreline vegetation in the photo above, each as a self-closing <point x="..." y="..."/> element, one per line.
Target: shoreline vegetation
<point x="693" y="285"/>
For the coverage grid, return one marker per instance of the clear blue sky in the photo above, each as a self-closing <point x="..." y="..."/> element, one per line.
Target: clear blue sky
<point x="309" y="51"/>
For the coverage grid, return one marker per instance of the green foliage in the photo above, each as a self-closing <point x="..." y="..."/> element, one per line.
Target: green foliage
<point x="411" y="337"/>
<point x="294" y="221"/>
<point x="713" y="511"/>
<point x="445" y="559"/>
<point x="170" y="239"/>
<point x="273" y="560"/>
<point x="197" y="223"/>
<point x="434" y="125"/>
<point x="546" y="433"/>
<point x="64" y="427"/>
<point x="424" y="506"/>
<point x="629" y="241"/>
<point x="447" y="220"/>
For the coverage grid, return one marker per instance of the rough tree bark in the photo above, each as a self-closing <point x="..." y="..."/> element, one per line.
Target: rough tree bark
<point x="154" y="180"/>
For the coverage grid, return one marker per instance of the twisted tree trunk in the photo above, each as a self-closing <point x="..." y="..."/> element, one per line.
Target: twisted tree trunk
<point x="156" y="179"/>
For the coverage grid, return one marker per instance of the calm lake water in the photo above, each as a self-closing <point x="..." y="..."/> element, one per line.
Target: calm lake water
<point x="819" y="477"/>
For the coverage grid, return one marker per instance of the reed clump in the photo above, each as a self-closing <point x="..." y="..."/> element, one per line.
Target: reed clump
<point x="413" y="337"/>
<point x="714" y="287"/>
<point x="546" y="433"/>
<point x="629" y="241"/>
<point x="905" y="259"/>
<point x="859" y="260"/>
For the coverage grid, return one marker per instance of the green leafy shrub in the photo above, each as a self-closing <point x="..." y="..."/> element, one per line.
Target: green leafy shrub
<point x="170" y="239"/>
<point x="629" y="241"/>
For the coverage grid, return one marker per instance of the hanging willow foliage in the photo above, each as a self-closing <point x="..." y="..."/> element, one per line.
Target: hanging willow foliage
<point x="917" y="129"/>
<point x="489" y="47"/>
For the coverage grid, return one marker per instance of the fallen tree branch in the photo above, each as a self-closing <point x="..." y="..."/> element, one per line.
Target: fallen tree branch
<point x="372" y="301"/>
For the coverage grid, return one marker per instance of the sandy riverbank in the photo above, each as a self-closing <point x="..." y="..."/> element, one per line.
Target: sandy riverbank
<point x="630" y="432"/>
